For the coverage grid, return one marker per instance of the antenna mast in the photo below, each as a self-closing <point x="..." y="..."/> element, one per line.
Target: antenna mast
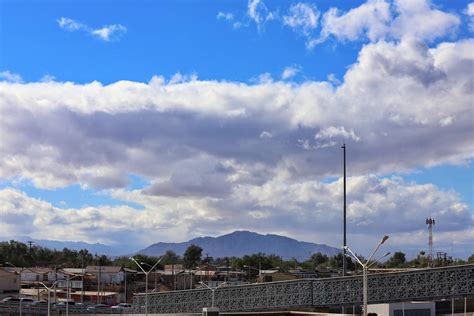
<point x="430" y="222"/>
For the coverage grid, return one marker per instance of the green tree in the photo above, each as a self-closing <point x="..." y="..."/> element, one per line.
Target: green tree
<point x="398" y="260"/>
<point x="471" y="259"/>
<point x="170" y="257"/>
<point x="192" y="256"/>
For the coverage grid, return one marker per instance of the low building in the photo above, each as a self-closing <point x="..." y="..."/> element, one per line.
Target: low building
<point x="9" y="282"/>
<point x="404" y="308"/>
<point x="107" y="274"/>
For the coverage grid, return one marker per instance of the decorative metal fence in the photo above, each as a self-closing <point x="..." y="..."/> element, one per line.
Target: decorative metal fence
<point x="427" y="284"/>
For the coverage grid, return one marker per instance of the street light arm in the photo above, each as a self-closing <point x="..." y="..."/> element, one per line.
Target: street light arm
<point x="354" y="256"/>
<point x="384" y="238"/>
<point x="210" y="288"/>
<point x="375" y="261"/>
<point x="159" y="260"/>
<point x="133" y="259"/>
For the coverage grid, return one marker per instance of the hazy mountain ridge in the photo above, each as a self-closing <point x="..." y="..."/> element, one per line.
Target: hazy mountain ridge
<point x="95" y="248"/>
<point x="240" y="243"/>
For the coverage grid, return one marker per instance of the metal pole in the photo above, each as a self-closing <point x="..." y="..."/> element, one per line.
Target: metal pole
<point x="344" y="215"/>
<point x="125" y="286"/>
<point x="19" y="292"/>
<point x="452" y="306"/>
<point x="67" y="295"/>
<point x="465" y="305"/>
<point x="146" y="293"/>
<point x="212" y="303"/>
<point x="82" y="279"/>
<point x="49" y="303"/>
<point x="364" y="285"/>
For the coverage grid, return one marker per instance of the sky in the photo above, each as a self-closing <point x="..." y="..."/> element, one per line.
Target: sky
<point x="134" y="122"/>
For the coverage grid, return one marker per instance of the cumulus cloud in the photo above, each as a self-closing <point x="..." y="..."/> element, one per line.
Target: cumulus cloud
<point x="11" y="77"/>
<point x="289" y="72"/>
<point x="219" y="153"/>
<point x="403" y="93"/>
<point x="377" y="19"/>
<point x="336" y="132"/>
<point x="302" y="17"/>
<point x="470" y="13"/>
<point x="105" y="33"/>
<point x="278" y="205"/>
<point x="370" y="20"/>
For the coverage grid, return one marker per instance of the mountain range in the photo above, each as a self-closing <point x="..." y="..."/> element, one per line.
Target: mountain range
<point x="240" y="243"/>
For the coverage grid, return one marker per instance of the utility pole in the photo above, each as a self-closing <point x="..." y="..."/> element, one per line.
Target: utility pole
<point x="344" y="214"/>
<point x="344" y="243"/>
<point x="29" y="244"/>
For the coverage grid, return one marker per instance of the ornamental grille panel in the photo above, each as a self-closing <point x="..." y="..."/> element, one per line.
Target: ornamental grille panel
<point x="448" y="282"/>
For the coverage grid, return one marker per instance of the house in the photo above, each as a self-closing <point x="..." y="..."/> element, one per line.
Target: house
<point x="32" y="274"/>
<point x="107" y="274"/>
<point x="9" y="281"/>
<point x="303" y="274"/>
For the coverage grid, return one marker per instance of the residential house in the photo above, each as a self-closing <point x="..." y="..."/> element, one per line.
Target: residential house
<point x="107" y="274"/>
<point x="9" y="281"/>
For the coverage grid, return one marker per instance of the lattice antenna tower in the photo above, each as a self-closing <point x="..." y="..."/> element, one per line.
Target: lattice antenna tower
<point x="430" y="222"/>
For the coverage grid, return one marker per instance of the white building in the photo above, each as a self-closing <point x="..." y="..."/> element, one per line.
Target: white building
<point x="107" y="274"/>
<point x="406" y="309"/>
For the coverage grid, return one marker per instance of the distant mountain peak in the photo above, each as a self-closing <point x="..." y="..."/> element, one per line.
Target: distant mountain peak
<point x="243" y="242"/>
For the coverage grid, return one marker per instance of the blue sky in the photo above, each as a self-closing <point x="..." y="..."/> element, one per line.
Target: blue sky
<point x="199" y="118"/>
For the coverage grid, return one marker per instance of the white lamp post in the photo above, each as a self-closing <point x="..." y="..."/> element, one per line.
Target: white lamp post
<point x="365" y="268"/>
<point x="213" y="290"/>
<point x="146" y="280"/>
<point x="49" y="294"/>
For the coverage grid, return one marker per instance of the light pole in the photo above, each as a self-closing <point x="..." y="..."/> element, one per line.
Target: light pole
<point x="146" y="280"/>
<point x="49" y="294"/>
<point x="365" y="269"/>
<point x="149" y="265"/>
<point x="68" y="292"/>
<point x="213" y="290"/>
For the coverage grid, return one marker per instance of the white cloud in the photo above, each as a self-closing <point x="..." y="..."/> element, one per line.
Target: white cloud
<point x="302" y="17"/>
<point x="225" y="16"/>
<point x="258" y="12"/>
<point x="11" y="77"/>
<point x="108" y="32"/>
<point x="470" y="13"/>
<point x="290" y="72"/>
<point x="397" y="95"/>
<point x="265" y="134"/>
<point x="48" y="78"/>
<point x="105" y="33"/>
<point x="278" y="205"/>
<point x="124" y="127"/>
<point x="418" y="18"/>
<point x="377" y="19"/>
<point x="71" y="25"/>
<point x="370" y="20"/>
<point x="336" y="132"/>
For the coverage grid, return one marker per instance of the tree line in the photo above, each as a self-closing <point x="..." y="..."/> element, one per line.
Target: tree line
<point x="21" y="255"/>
